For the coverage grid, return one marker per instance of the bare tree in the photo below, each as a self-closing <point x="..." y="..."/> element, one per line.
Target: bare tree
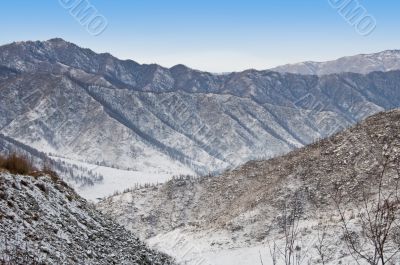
<point x="291" y="221"/>
<point x="273" y="251"/>
<point x="291" y="251"/>
<point x="321" y="245"/>
<point x="378" y="215"/>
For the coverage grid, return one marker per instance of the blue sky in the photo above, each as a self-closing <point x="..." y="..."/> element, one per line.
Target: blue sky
<point x="217" y="36"/>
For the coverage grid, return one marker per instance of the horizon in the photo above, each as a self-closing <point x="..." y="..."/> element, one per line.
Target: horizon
<point x="168" y="67"/>
<point x="214" y="37"/>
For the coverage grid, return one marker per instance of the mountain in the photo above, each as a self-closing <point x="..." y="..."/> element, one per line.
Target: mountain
<point x="43" y="221"/>
<point x="233" y="218"/>
<point x="75" y="104"/>
<point x="363" y="64"/>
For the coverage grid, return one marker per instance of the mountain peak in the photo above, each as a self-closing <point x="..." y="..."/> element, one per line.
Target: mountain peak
<point x="384" y="61"/>
<point x="57" y="40"/>
<point x="179" y="67"/>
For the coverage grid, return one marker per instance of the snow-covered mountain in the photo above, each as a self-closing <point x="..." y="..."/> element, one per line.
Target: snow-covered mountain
<point x="73" y="103"/>
<point x="43" y="221"/>
<point x="235" y="217"/>
<point x="363" y="63"/>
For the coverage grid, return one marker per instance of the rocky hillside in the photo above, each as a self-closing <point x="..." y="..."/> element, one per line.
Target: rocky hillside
<point x="43" y="221"/>
<point x="71" y="102"/>
<point x="362" y="63"/>
<point x="248" y="203"/>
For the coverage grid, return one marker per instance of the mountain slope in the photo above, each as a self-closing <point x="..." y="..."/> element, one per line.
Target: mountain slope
<point x="71" y="102"/>
<point x="43" y="221"/>
<point x="363" y="64"/>
<point x="246" y="205"/>
<point x="79" y="176"/>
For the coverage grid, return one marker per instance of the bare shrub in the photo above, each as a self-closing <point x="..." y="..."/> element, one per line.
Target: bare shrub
<point x="17" y="164"/>
<point x="373" y="238"/>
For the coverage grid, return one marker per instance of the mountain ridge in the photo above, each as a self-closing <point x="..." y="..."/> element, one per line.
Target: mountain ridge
<point x="304" y="68"/>
<point x="70" y="99"/>
<point x="361" y="63"/>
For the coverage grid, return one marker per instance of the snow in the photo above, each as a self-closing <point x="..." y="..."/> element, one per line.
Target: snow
<point x="240" y="256"/>
<point x="196" y="248"/>
<point x="117" y="180"/>
<point x="48" y="224"/>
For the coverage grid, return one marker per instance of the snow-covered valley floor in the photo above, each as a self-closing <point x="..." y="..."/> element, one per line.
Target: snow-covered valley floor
<point x="219" y="247"/>
<point x="116" y="180"/>
<point x="209" y="248"/>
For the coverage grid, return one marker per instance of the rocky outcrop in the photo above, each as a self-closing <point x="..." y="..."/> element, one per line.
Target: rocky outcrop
<point x="43" y="221"/>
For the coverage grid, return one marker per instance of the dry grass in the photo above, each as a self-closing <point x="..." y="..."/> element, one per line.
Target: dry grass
<point x="19" y="164"/>
<point x="47" y="171"/>
<point x="16" y="164"/>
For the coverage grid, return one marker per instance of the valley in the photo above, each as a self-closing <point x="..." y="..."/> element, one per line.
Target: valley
<point x="209" y="169"/>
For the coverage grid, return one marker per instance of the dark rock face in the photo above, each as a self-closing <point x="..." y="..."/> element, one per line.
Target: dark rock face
<point x="70" y="101"/>
<point x="43" y="221"/>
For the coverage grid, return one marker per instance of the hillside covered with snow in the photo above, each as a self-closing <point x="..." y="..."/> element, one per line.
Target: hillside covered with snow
<point x="231" y="217"/>
<point x="43" y="221"/>
<point x="73" y="103"/>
